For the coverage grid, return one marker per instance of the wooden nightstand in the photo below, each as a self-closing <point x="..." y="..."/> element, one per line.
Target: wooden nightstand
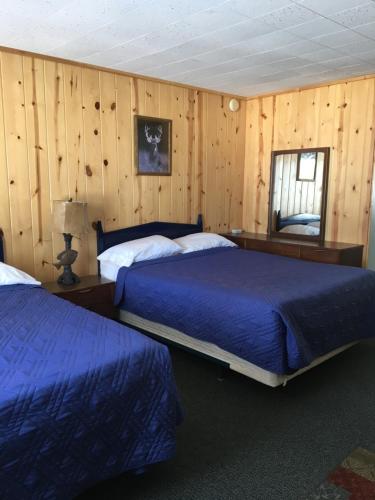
<point x="93" y="292"/>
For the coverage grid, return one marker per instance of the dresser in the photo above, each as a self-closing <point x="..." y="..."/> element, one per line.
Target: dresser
<point x="345" y="254"/>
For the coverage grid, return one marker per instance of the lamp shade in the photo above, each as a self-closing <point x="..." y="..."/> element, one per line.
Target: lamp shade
<point x="70" y="217"/>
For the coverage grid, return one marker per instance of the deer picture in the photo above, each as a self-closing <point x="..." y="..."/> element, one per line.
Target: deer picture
<point x="154" y="139"/>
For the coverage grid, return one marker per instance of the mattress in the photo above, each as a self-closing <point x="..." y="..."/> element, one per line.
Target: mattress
<point x="277" y="313"/>
<point x="82" y="398"/>
<point x="212" y="351"/>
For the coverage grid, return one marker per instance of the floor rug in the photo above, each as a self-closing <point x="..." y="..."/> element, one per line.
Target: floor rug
<point x="354" y="479"/>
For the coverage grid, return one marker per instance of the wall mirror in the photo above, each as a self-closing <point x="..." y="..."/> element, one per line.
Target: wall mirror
<point x="298" y="194"/>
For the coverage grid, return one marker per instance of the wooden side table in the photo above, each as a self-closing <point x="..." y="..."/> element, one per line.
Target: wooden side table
<point x="93" y="293"/>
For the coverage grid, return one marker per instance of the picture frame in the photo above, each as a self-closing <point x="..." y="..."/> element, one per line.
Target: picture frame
<point x="306" y="166"/>
<point x="152" y="145"/>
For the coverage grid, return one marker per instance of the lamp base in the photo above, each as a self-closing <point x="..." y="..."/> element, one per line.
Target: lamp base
<point x="66" y="258"/>
<point x="68" y="278"/>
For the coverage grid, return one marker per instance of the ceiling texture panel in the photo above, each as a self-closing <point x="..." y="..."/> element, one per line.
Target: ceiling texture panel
<point x="244" y="47"/>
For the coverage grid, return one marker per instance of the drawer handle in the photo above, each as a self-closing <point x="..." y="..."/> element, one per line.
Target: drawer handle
<point x="86" y="290"/>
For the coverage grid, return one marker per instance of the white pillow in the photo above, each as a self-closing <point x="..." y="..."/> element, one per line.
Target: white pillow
<point x="12" y="276"/>
<point x="301" y="229"/>
<point x="151" y="247"/>
<point x="203" y="241"/>
<point x="109" y="270"/>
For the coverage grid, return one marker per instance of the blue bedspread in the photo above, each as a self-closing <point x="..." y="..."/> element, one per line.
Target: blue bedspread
<point x="82" y="398"/>
<point x="276" y="312"/>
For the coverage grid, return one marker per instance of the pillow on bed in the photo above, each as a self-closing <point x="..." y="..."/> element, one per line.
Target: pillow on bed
<point x="109" y="270"/>
<point x="151" y="247"/>
<point x="12" y="276"/>
<point x="203" y="241"/>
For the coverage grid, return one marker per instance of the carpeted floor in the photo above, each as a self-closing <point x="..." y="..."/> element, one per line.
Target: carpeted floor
<point x="242" y="440"/>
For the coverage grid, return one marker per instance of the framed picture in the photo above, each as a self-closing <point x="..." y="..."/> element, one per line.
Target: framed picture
<point x="306" y="166"/>
<point x="152" y="148"/>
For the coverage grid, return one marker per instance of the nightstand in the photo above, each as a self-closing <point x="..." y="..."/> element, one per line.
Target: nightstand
<point x="93" y="293"/>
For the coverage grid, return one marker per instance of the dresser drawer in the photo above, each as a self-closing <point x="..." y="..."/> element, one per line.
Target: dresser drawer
<point x="96" y="299"/>
<point x="320" y="255"/>
<point x="287" y="250"/>
<point x="89" y="296"/>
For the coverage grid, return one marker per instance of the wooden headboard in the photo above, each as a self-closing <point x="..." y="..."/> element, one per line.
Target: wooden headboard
<point x="1" y="245"/>
<point x="170" y="230"/>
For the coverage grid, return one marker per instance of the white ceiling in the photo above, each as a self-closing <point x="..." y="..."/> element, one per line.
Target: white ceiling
<point x="245" y="47"/>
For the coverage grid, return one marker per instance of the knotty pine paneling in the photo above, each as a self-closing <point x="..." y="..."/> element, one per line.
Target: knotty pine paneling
<point x="67" y="131"/>
<point x="340" y="116"/>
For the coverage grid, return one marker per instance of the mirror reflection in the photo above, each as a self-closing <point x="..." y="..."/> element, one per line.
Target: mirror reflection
<point x="297" y="196"/>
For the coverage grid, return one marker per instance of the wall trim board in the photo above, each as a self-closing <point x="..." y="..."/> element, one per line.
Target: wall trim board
<point x="38" y="55"/>
<point x="328" y="83"/>
<point x="115" y="71"/>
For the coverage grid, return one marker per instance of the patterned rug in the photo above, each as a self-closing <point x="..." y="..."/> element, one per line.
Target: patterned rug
<point x="354" y="479"/>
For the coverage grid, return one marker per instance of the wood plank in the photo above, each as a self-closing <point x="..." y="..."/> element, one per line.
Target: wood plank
<point x="5" y="222"/>
<point x="285" y="188"/>
<point x="56" y="141"/>
<point x="36" y="126"/>
<point x="93" y="161"/>
<point x="367" y="172"/>
<point x="76" y="155"/>
<point x="199" y="159"/>
<point x="150" y="183"/>
<point x="108" y="132"/>
<point x="17" y="162"/>
<point x="125" y="139"/>
<point x="166" y="212"/>
<point x="259" y="144"/>
<point x="179" y="107"/>
<point x="234" y="179"/>
<point x="137" y="108"/>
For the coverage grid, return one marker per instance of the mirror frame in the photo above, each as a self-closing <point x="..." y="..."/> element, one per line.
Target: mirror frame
<point x="323" y="210"/>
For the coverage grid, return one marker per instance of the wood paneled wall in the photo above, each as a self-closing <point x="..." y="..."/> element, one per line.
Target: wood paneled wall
<point x="340" y="116"/>
<point x="67" y="131"/>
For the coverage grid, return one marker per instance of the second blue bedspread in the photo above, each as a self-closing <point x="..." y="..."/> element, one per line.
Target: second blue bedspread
<point x="276" y="312"/>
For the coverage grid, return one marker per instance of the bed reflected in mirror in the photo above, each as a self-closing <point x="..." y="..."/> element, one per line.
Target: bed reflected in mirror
<point x="298" y="193"/>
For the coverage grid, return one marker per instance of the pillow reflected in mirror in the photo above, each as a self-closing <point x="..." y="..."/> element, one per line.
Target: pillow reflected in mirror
<point x="308" y="230"/>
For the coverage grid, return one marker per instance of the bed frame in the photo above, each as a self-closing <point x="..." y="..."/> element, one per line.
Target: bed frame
<point x="170" y="230"/>
<point x="174" y="337"/>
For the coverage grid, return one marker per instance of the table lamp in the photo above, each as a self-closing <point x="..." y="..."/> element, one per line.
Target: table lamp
<point x="69" y="217"/>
